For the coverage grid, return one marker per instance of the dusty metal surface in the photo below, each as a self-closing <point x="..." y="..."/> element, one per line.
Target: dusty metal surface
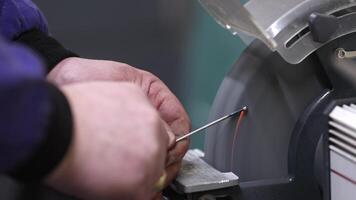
<point x="196" y="175"/>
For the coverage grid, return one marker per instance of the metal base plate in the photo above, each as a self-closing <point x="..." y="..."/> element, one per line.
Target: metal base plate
<point x="197" y="176"/>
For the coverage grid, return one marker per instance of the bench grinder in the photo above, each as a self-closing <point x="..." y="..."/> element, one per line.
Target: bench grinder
<point x="298" y="78"/>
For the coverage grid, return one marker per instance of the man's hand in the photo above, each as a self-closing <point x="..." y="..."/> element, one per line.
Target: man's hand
<point x="119" y="145"/>
<point x="74" y="70"/>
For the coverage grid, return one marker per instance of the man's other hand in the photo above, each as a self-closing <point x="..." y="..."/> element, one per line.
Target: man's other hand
<point x="74" y="70"/>
<point x="119" y="143"/>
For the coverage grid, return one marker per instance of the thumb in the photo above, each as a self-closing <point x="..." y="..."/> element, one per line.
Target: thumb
<point x="171" y="136"/>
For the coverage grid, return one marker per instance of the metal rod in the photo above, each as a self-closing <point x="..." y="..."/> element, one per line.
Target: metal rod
<point x="212" y="124"/>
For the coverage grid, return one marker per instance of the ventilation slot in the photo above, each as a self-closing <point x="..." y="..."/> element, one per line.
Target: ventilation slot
<point x="306" y="30"/>
<point x="344" y="12"/>
<point x="343" y="130"/>
<point x="342" y="147"/>
<point x="297" y="37"/>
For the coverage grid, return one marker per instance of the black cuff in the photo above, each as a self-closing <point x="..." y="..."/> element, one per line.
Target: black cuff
<point x="50" y="49"/>
<point x="54" y="146"/>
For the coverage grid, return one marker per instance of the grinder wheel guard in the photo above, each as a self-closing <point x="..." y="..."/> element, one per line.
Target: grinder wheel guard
<point x="276" y="94"/>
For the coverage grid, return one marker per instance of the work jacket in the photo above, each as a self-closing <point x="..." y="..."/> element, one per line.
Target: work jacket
<point x="35" y="117"/>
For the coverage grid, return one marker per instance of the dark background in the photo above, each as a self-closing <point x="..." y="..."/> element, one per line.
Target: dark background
<point x="148" y="34"/>
<point x="174" y="39"/>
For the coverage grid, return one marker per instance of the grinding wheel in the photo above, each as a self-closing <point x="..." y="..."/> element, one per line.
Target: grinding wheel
<point x="276" y="94"/>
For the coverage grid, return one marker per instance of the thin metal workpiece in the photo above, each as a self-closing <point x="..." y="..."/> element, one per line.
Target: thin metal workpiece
<point x="212" y="123"/>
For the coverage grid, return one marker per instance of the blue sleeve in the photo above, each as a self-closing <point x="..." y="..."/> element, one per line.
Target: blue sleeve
<point x="35" y="121"/>
<point x="23" y="104"/>
<point x="19" y="16"/>
<point x="22" y="21"/>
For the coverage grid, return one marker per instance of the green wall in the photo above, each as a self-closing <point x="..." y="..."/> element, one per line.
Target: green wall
<point x="211" y="52"/>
